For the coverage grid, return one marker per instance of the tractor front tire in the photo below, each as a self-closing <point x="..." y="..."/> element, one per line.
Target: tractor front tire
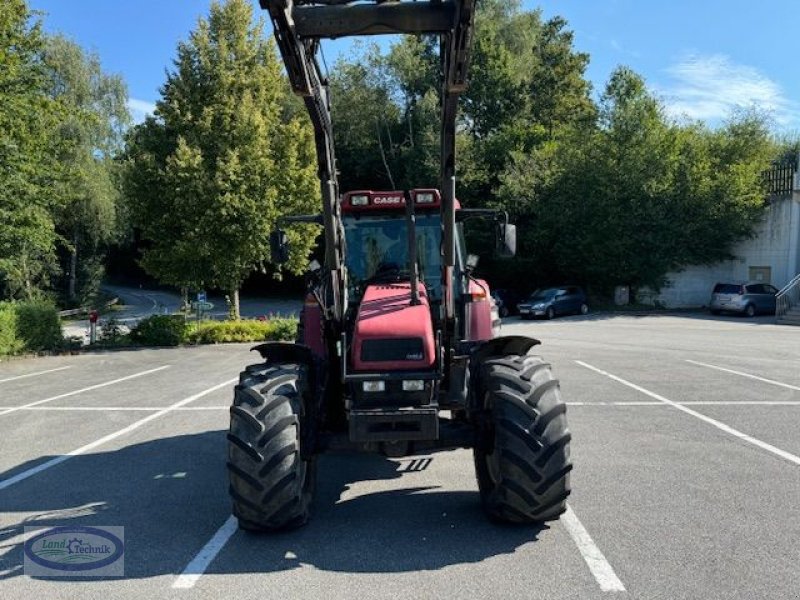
<point x="271" y="483"/>
<point x="522" y="458"/>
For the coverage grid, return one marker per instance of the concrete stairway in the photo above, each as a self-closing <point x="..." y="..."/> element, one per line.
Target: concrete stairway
<point x="792" y="317"/>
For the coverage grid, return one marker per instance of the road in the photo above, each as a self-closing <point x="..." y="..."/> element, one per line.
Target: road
<point x="686" y="479"/>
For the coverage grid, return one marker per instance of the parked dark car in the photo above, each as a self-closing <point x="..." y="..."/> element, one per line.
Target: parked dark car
<point x="553" y="302"/>
<point x="506" y="301"/>
<point x="743" y="298"/>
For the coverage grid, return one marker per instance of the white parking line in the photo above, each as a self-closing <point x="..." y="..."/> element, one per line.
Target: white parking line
<point x="595" y="560"/>
<point x="695" y="403"/>
<point x="718" y="424"/>
<point x="198" y="565"/>
<point x="748" y="375"/>
<point x="111" y="436"/>
<point x="86" y="389"/>
<point x="227" y="406"/>
<point x="33" y="374"/>
<point x="114" y="408"/>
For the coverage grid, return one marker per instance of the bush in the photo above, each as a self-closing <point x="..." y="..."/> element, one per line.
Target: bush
<point x="9" y="342"/>
<point x="30" y="326"/>
<point x="113" y="335"/>
<point x="160" y="330"/>
<point x="38" y="325"/>
<point x="218" y="332"/>
<point x="285" y="330"/>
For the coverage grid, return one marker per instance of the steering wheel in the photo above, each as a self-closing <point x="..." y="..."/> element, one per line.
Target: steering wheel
<point x="388" y="272"/>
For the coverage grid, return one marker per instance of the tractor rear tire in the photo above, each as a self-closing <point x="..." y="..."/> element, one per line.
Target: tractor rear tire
<point x="271" y="484"/>
<point x="522" y="457"/>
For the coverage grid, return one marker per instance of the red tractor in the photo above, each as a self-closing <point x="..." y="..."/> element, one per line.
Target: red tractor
<point x="396" y="349"/>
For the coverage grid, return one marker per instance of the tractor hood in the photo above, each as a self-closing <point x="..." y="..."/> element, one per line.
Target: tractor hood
<point x="390" y="333"/>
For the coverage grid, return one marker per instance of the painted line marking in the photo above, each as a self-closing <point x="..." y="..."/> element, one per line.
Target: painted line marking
<point x="116" y="408"/>
<point x="198" y="565"/>
<point x="33" y="374"/>
<point x="718" y="424"/>
<point x="86" y="389"/>
<point x="570" y="403"/>
<point x="111" y="436"/>
<point x="748" y="375"/>
<point x="695" y="403"/>
<point x="227" y="406"/>
<point x="601" y="569"/>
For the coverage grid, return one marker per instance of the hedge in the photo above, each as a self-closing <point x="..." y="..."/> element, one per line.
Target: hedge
<point x="30" y="326"/>
<point x="217" y="332"/>
<point x="172" y="330"/>
<point x="160" y="330"/>
<point x="9" y="342"/>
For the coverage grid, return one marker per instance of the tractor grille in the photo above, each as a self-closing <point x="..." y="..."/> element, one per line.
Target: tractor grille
<point x="392" y="349"/>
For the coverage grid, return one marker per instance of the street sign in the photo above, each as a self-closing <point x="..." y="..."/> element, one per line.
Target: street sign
<point x="202" y="305"/>
<point x="201" y="296"/>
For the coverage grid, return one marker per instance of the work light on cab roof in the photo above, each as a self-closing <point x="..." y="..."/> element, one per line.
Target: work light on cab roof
<point x="368" y="200"/>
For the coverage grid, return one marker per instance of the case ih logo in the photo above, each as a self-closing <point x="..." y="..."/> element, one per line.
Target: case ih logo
<point x="388" y="200"/>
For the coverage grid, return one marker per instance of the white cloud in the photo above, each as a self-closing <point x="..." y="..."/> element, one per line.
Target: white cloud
<point x="710" y="87"/>
<point x="140" y="109"/>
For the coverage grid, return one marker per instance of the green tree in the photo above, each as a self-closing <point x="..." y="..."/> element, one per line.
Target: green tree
<point x="226" y="154"/>
<point x="526" y="84"/>
<point x="27" y="115"/>
<point x="635" y="196"/>
<point x="527" y="87"/>
<point x="88" y="137"/>
<point x="368" y="146"/>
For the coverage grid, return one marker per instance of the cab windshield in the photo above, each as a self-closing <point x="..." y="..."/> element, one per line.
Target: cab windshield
<point x="380" y="245"/>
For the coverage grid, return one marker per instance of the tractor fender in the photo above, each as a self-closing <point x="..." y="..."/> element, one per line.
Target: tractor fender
<point x="285" y="352"/>
<point x="502" y="346"/>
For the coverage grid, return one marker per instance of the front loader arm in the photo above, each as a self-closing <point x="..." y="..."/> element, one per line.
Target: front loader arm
<point x="299" y="26"/>
<point x="299" y="56"/>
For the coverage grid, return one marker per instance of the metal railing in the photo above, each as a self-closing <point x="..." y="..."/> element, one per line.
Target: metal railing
<point x="779" y="179"/>
<point x="788" y="297"/>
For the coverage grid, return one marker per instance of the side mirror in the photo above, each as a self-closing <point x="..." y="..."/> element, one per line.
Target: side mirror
<point x="472" y="262"/>
<point x="279" y="246"/>
<point x="507" y="241"/>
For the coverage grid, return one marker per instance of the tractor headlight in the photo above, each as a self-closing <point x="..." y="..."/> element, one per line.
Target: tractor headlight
<point x="424" y="197"/>
<point x="359" y="200"/>
<point x="374" y="386"/>
<point x="413" y="385"/>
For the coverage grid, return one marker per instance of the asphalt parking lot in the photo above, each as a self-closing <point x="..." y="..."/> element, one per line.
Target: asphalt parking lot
<point x="686" y="445"/>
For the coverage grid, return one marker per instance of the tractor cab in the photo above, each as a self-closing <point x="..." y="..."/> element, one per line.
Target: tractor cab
<point x="377" y="238"/>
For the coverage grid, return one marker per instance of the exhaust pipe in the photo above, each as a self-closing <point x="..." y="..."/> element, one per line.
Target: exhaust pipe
<point x="411" y="226"/>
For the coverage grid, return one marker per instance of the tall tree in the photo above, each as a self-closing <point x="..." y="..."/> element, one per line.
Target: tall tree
<point x="635" y="196"/>
<point x="27" y="115"/>
<point x="526" y="85"/>
<point x="224" y="157"/>
<point x="88" y="136"/>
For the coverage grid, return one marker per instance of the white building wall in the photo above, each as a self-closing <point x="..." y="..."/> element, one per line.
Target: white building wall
<point x="775" y="245"/>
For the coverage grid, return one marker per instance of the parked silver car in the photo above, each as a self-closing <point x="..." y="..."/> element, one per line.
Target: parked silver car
<point x="744" y="298"/>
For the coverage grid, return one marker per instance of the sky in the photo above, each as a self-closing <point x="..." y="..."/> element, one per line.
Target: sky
<point x="702" y="57"/>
